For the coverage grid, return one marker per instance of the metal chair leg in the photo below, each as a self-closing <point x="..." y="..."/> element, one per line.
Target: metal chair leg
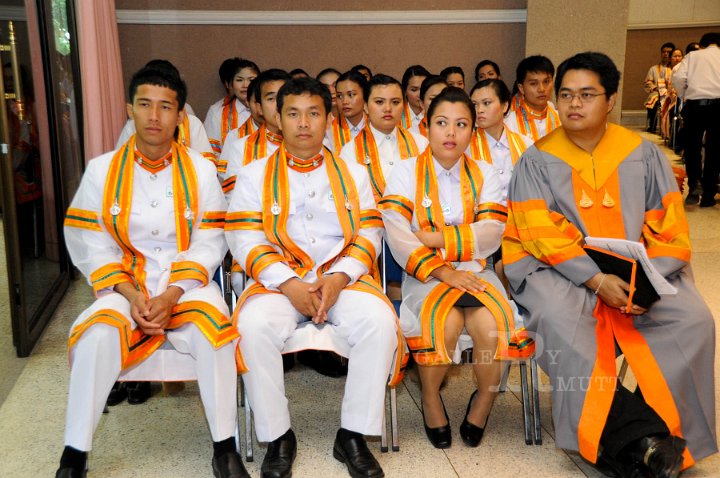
<point x="535" y="379"/>
<point x="525" y="392"/>
<point x="383" y="432"/>
<point x="504" y="377"/>
<point x="394" y="420"/>
<point x="248" y="429"/>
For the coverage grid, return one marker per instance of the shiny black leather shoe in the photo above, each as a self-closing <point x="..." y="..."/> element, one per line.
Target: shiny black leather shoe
<point x="663" y="457"/>
<point x="619" y="469"/>
<point x="138" y="392"/>
<point x="229" y="465"/>
<point x="440" y="437"/>
<point x="280" y="456"/>
<point x="70" y="473"/>
<point x="350" y="448"/>
<point x="471" y="434"/>
<point x="117" y="394"/>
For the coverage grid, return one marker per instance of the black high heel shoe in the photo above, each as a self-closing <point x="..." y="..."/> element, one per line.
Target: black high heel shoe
<point x="471" y="434"/>
<point x="440" y="437"/>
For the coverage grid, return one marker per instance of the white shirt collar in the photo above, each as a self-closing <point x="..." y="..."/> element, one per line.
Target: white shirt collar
<point x="380" y="137"/>
<point x="440" y="171"/>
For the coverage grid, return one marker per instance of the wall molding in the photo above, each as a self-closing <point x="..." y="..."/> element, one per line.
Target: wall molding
<point x="661" y="26"/>
<point x="12" y="13"/>
<point x="319" y="17"/>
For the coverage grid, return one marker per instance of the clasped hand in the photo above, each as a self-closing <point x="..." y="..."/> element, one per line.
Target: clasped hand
<point x="315" y="300"/>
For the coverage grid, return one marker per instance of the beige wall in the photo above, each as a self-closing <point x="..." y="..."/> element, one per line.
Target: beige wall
<point x="572" y="19"/>
<point x="198" y="50"/>
<point x="643" y="50"/>
<point x="318" y="4"/>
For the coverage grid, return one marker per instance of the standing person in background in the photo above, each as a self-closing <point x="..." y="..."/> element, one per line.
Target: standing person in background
<point x="656" y="84"/>
<point x="534" y="115"/>
<point x="413" y="108"/>
<point x="364" y="71"/>
<point x="233" y="110"/>
<point x="698" y="80"/>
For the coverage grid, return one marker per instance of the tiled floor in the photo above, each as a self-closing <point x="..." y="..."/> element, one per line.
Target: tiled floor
<point x="168" y="435"/>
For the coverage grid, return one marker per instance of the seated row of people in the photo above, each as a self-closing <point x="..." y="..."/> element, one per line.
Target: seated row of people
<point x="149" y="223"/>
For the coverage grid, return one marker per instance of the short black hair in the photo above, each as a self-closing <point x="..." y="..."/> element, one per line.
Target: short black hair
<point x="669" y="44"/>
<point x="598" y="63"/>
<point x="227" y="70"/>
<point x="243" y="63"/>
<point x="355" y="77"/>
<point x="326" y="71"/>
<point x="160" y="64"/>
<point x="452" y="69"/>
<point x="304" y="86"/>
<point x="486" y="63"/>
<point x="498" y="86"/>
<point x="377" y="80"/>
<point x="451" y="94"/>
<point x="534" y="64"/>
<point x="298" y="72"/>
<point x="710" y="38"/>
<point x="692" y="46"/>
<point x="362" y="67"/>
<point x="158" y="77"/>
<point x="410" y="73"/>
<point x="429" y="82"/>
<point x="273" y="74"/>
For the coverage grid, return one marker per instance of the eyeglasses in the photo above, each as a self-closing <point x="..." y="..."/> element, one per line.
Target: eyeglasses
<point x="584" y="97"/>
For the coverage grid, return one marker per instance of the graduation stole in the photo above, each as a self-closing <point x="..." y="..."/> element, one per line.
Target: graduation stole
<point x="480" y="149"/>
<point x="229" y="119"/>
<point x="183" y="136"/>
<point x="256" y="144"/>
<point x="423" y="127"/>
<point x="117" y="203"/>
<point x="515" y="102"/>
<point x="341" y="132"/>
<point x="526" y="122"/>
<point x="429" y="214"/>
<point x="247" y="128"/>
<point x="276" y="195"/>
<point x="406" y="119"/>
<point x="366" y="153"/>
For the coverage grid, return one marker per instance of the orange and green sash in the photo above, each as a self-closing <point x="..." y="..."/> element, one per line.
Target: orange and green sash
<point x="526" y="122"/>
<point x="406" y="119"/>
<point x="341" y="132"/>
<point x="117" y="204"/>
<point x="229" y="119"/>
<point x="247" y="128"/>
<point x="136" y="346"/>
<point x="366" y="153"/>
<point x="256" y="147"/>
<point x="423" y="127"/>
<point x="480" y="149"/>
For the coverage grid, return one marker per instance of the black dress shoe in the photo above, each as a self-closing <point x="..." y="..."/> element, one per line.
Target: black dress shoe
<point x="280" y="455"/>
<point x="70" y="473"/>
<point x="350" y="448"/>
<point x="472" y="434"/>
<point x="662" y="456"/>
<point x="117" y="394"/>
<point x="138" y="392"/>
<point x="707" y="201"/>
<point x="440" y="437"/>
<point x="229" y="465"/>
<point x="612" y="467"/>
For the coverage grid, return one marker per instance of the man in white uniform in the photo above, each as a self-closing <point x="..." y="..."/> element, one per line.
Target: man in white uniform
<point x="303" y="225"/>
<point x="145" y="228"/>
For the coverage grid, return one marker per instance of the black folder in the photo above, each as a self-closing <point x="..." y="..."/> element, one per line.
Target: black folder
<point x="642" y="292"/>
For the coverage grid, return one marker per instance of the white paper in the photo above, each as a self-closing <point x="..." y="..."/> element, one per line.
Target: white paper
<point x="637" y="251"/>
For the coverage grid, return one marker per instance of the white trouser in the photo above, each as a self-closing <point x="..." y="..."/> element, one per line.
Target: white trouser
<point x="95" y="366"/>
<point x="366" y="322"/>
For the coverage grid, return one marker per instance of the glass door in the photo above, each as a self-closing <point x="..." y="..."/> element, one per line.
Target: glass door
<point x="41" y="162"/>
